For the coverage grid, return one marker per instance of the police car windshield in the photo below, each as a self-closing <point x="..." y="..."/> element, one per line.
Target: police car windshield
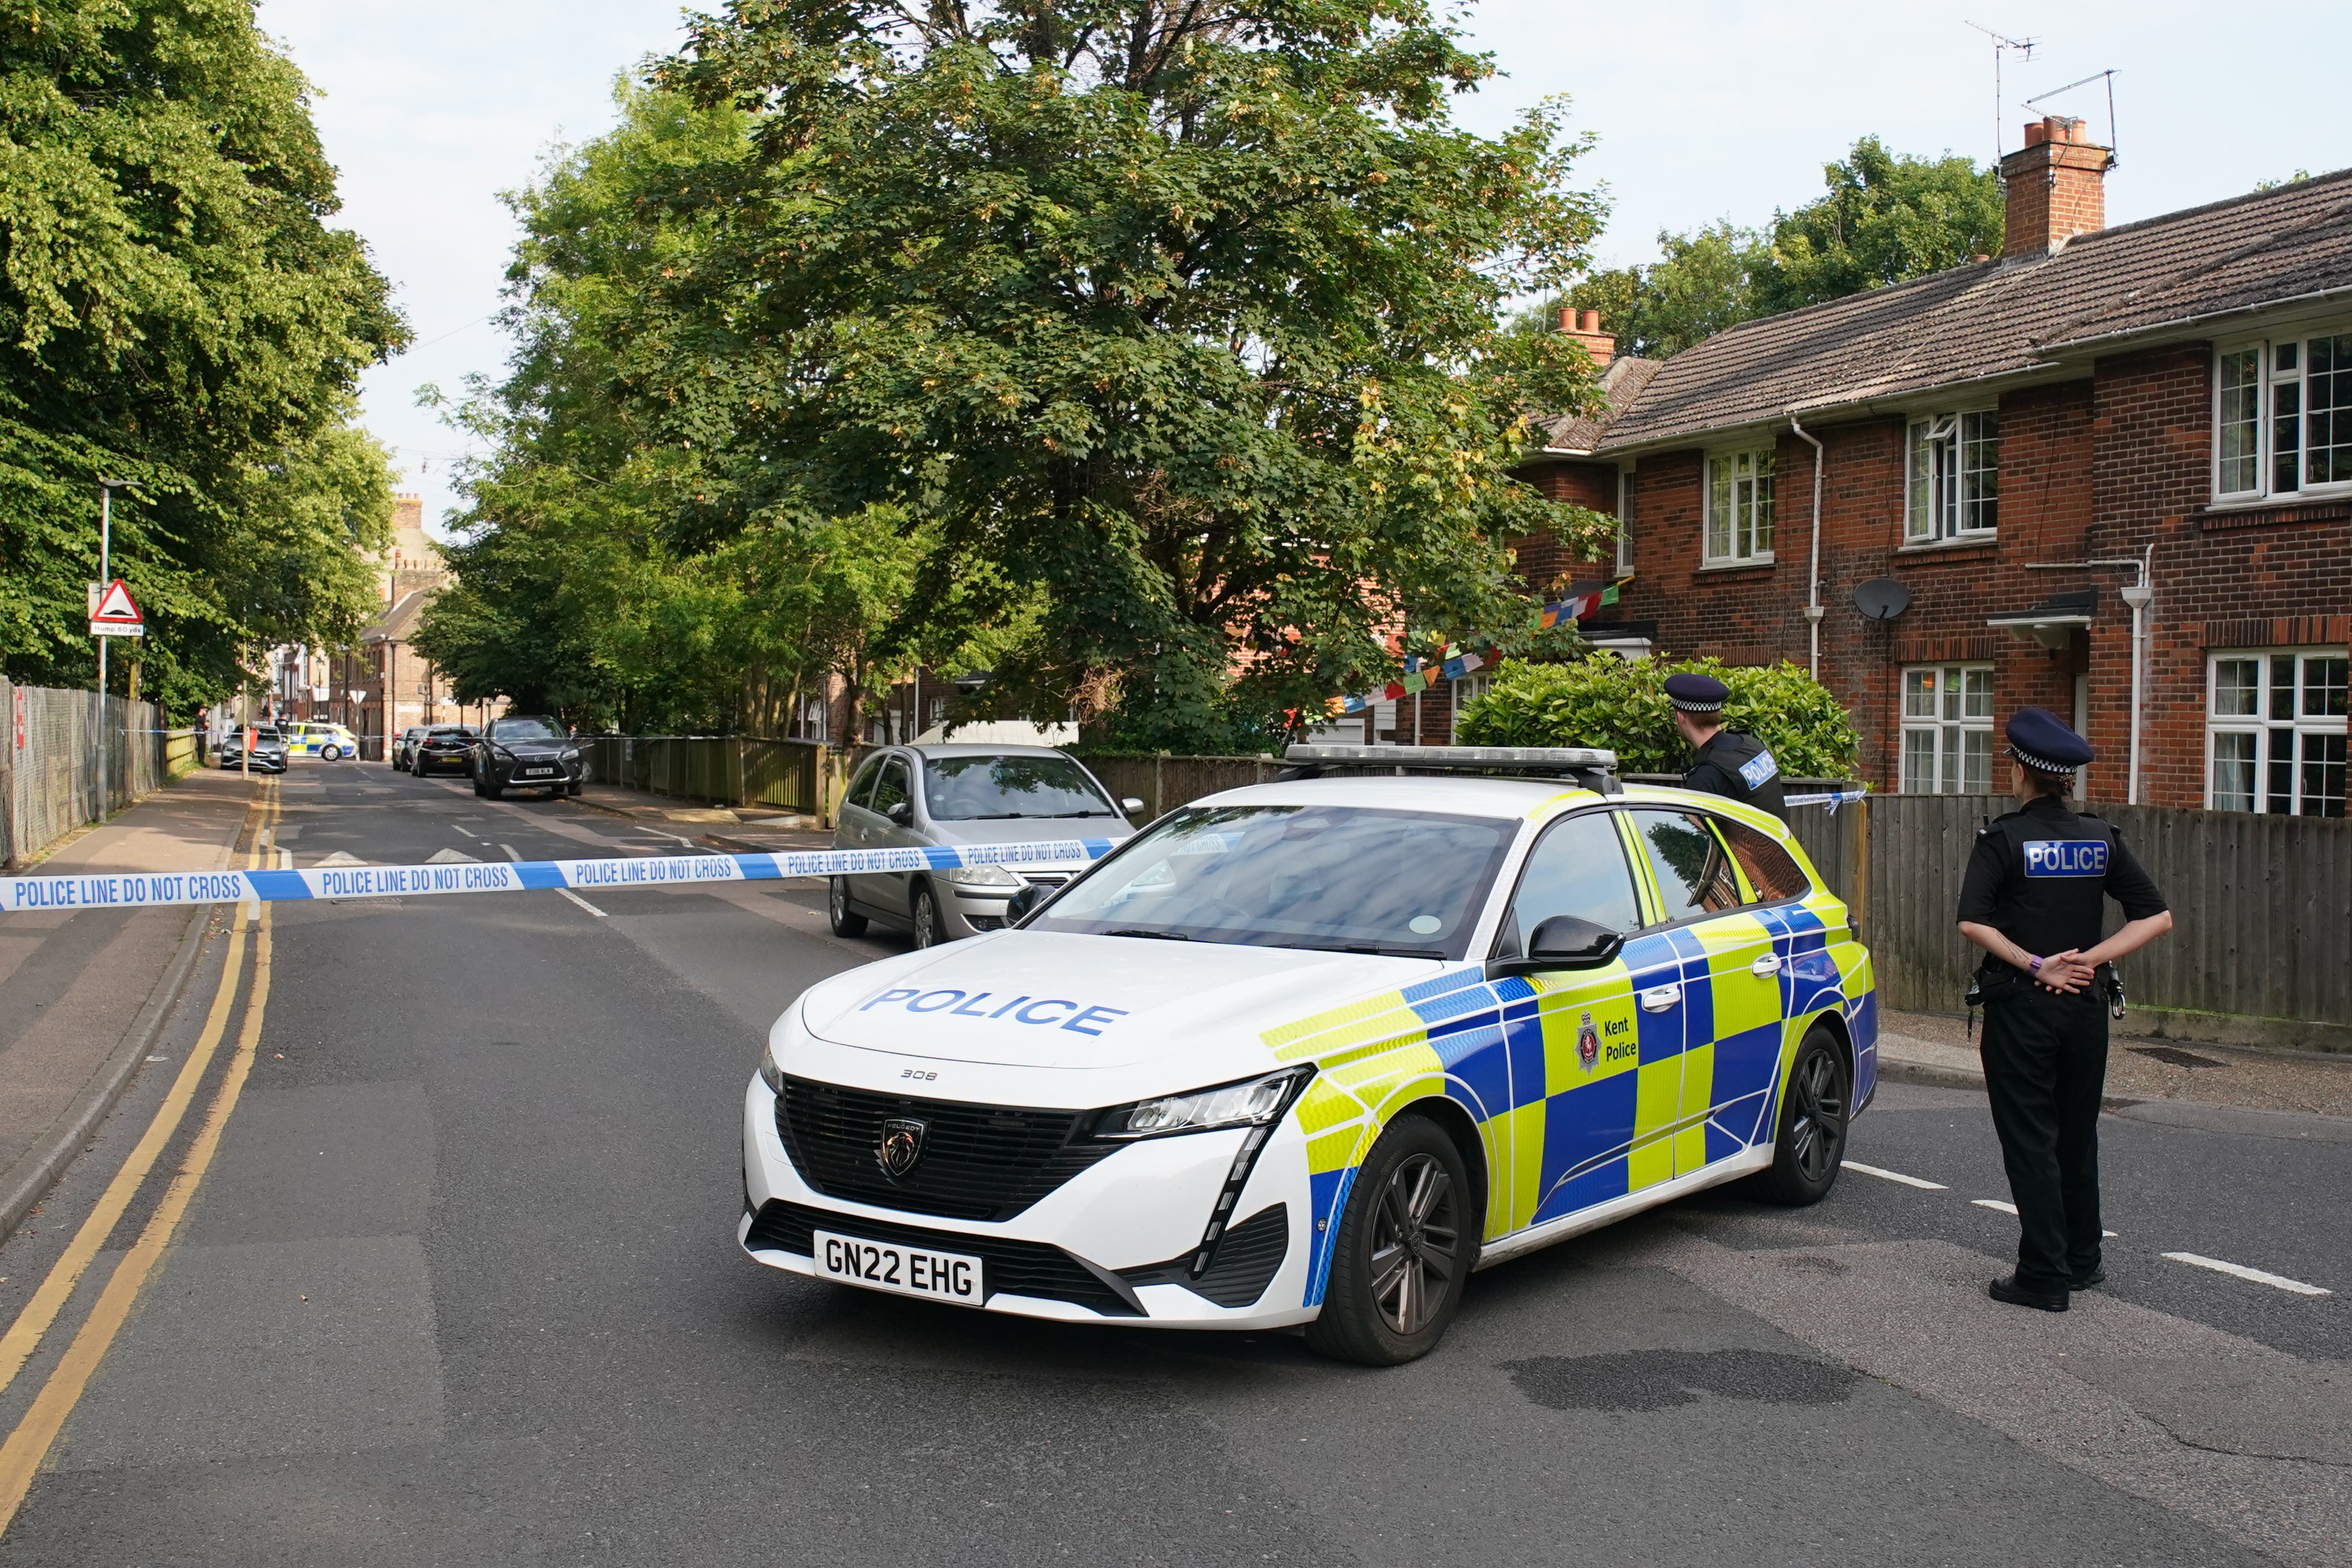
<point x="1404" y="884"/>
<point x="982" y="789"/>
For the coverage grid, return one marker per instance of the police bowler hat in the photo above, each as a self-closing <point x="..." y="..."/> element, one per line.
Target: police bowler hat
<point x="2039" y="740"/>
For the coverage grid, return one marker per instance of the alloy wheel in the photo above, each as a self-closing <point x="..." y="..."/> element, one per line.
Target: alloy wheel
<point x="1818" y="1136"/>
<point x="927" y="921"/>
<point x="1416" y="1245"/>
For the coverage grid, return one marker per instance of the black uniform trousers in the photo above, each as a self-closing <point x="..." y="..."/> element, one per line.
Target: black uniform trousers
<point x="2045" y="1061"/>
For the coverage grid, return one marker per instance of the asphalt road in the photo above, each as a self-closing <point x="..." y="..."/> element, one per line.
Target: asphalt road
<point x="458" y="1284"/>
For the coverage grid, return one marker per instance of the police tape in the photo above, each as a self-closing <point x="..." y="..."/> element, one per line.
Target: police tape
<point x="1831" y="798"/>
<point x="154" y="889"/>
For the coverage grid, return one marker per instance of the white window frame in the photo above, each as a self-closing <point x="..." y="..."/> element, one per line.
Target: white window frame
<point x="2289" y="372"/>
<point x="1741" y="511"/>
<point x="1950" y="491"/>
<point x="1625" y="522"/>
<point x="1467" y="688"/>
<point x="2294" y="782"/>
<point x="1958" y="712"/>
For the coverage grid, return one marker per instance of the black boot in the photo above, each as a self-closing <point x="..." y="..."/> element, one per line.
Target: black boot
<point x="2097" y="1276"/>
<point x="2007" y="1289"/>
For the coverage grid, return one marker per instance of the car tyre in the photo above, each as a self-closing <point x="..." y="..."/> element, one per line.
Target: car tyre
<point x="845" y="920"/>
<point x="1407" y="1241"/>
<point x="331" y="753"/>
<point x="924" y="912"/>
<point x="485" y="789"/>
<point x="1815" y="1110"/>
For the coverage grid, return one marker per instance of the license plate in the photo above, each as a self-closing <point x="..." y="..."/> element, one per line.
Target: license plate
<point x="537" y="773"/>
<point x="908" y="1270"/>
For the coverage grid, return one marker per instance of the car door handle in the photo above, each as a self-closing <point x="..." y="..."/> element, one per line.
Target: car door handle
<point x="1658" y="999"/>
<point x="1766" y="966"/>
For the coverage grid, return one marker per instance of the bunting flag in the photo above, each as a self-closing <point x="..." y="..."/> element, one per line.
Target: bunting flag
<point x="1456" y="663"/>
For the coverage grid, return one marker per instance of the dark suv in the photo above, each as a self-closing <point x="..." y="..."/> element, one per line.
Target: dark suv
<point x="444" y="748"/>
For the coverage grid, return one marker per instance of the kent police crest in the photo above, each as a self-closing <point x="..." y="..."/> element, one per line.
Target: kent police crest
<point x="900" y="1148"/>
<point x="1588" y="1043"/>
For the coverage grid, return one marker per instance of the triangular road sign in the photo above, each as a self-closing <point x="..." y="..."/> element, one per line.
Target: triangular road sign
<point x="117" y="614"/>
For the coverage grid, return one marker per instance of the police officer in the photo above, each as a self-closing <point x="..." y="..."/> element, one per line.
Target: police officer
<point x="2033" y="899"/>
<point x="1726" y="761"/>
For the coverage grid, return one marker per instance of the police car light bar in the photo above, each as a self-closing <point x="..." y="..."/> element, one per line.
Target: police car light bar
<point x="1590" y="766"/>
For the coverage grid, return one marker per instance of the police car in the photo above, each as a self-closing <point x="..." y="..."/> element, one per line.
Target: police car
<point x="310" y="738"/>
<point x="1311" y="1052"/>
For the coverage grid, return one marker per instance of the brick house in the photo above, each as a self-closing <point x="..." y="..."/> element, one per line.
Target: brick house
<point x="2001" y="452"/>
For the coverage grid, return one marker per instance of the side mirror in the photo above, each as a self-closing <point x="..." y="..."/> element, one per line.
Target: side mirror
<point x="1131" y="804"/>
<point x="903" y="813"/>
<point x="1018" y="906"/>
<point x="1563" y="942"/>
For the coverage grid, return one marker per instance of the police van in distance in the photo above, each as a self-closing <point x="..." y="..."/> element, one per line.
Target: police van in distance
<point x="1311" y="1052"/>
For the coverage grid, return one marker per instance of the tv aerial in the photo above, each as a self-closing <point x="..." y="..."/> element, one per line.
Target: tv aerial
<point x="2023" y="48"/>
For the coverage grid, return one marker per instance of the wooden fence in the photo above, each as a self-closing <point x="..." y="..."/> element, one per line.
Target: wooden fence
<point x="2261" y="948"/>
<point x="728" y="769"/>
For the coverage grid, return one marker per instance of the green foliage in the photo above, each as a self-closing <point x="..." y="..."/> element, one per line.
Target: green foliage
<point x="175" y="311"/>
<point x="1620" y="704"/>
<point x="1884" y="218"/>
<point x="1176" y="324"/>
<point x="1704" y="282"/>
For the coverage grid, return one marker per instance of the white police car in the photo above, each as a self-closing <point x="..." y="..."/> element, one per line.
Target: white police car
<point x="1311" y="1052"/>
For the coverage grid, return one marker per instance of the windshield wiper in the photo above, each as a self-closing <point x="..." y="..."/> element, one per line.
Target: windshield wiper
<point x="1061" y="813"/>
<point x="1154" y="935"/>
<point x="1368" y="951"/>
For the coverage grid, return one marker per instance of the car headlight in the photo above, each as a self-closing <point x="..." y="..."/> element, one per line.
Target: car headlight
<point x="770" y="1073"/>
<point x="1255" y="1103"/>
<point x="983" y="876"/>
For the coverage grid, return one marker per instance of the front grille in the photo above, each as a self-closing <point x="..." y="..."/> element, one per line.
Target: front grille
<point x="1008" y="1267"/>
<point x="979" y="1162"/>
<point x="1245" y="1263"/>
<point x="1046" y="878"/>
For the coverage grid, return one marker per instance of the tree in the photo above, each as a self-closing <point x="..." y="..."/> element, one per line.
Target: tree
<point x="176" y="311"/>
<point x="1173" y="324"/>
<point x="1884" y="218"/>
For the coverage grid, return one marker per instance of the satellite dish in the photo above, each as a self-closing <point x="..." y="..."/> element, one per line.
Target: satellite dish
<point x="1882" y="598"/>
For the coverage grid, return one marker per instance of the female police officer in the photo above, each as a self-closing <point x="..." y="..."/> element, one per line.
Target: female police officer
<point x="2033" y="900"/>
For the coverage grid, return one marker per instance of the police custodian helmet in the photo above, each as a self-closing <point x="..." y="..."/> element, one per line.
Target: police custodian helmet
<point x="2040" y="741"/>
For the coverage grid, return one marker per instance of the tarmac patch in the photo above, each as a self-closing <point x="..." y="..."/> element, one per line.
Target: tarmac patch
<point x="1663" y="1379"/>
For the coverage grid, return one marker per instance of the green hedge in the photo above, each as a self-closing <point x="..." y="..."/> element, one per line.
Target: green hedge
<point x="1605" y="700"/>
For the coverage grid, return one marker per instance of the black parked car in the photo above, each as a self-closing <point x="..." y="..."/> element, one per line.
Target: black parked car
<point x="444" y="747"/>
<point x="404" y="746"/>
<point x="527" y="751"/>
<point x="268" y="749"/>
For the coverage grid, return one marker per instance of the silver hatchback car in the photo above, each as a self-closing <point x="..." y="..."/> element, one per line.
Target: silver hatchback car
<point x="916" y="796"/>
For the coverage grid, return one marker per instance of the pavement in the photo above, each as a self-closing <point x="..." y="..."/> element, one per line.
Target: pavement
<point x="1928" y="1048"/>
<point x="87" y="989"/>
<point x="456" y="1282"/>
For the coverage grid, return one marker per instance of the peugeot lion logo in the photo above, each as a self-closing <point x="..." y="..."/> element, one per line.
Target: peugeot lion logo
<point x="901" y="1146"/>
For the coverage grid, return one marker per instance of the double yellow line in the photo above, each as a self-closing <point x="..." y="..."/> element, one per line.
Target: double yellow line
<point x="28" y="1445"/>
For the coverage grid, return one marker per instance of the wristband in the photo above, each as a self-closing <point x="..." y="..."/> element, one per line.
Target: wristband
<point x="2033" y="964"/>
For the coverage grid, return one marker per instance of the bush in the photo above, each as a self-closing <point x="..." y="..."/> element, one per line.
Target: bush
<point x="1604" y="700"/>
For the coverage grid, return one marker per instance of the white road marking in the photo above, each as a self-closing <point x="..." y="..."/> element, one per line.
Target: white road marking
<point x="460" y="827"/>
<point x="2000" y="1207"/>
<point x="1895" y="1176"/>
<point x="2241" y="1271"/>
<point x="565" y="892"/>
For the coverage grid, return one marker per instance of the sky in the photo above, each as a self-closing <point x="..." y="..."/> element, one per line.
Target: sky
<point x="1703" y="108"/>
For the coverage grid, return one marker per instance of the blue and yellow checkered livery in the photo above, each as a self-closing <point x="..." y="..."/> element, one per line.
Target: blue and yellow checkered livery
<point x="1591" y="1085"/>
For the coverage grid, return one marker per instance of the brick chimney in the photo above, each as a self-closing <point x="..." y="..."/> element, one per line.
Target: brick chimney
<point x="1584" y="326"/>
<point x="2054" y="188"/>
